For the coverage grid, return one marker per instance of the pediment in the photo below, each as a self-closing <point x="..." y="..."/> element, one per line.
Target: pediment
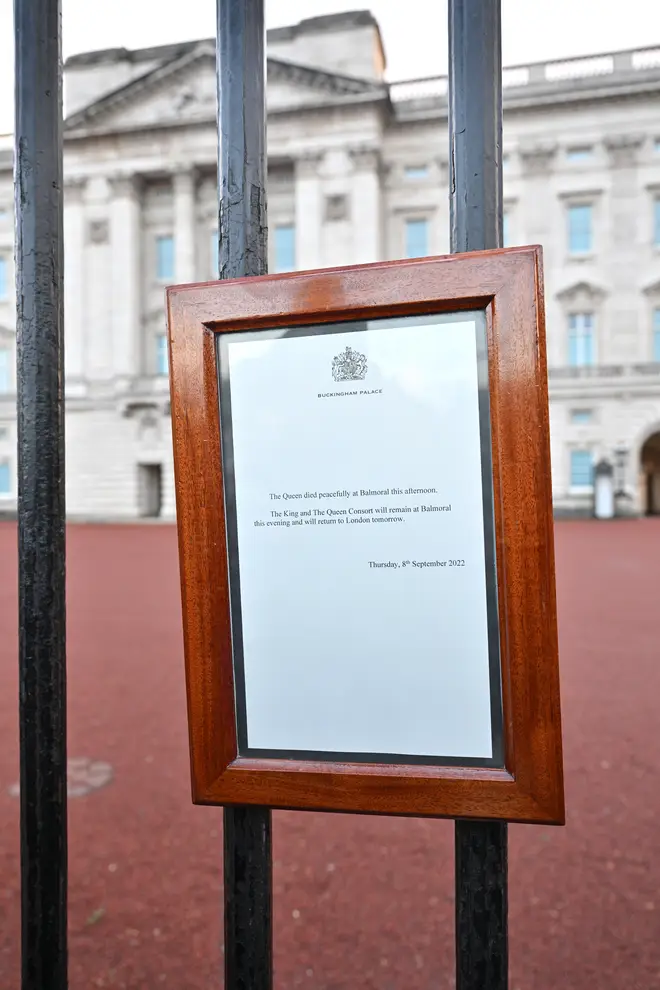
<point x="180" y="90"/>
<point x="184" y="90"/>
<point x="581" y="290"/>
<point x="290" y="86"/>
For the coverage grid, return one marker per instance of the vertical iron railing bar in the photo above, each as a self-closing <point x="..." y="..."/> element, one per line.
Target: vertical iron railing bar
<point x="475" y="142"/>
<point x="242" y="250"/>
<point x="40" y="484"/>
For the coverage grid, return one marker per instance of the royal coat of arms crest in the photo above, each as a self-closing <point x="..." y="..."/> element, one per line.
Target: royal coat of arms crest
<point x="349" y="366"/>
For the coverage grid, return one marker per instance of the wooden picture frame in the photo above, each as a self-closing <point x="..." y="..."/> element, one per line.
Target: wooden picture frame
<point x="507" y="285"/>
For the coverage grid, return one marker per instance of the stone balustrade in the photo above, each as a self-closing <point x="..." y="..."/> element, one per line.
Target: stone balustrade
<point x="645" y="369"/>
<point x="540" y="73"/>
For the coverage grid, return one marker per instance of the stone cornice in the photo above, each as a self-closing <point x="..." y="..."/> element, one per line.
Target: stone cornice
<point x="415" y="209"/>
<point x="575" y="195"/>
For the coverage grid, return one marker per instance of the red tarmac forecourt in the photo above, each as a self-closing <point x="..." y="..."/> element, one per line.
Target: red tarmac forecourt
<point x="358" y="902"/>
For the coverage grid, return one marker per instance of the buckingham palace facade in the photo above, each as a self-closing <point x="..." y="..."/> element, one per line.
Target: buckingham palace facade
<point x="357" y="172"/>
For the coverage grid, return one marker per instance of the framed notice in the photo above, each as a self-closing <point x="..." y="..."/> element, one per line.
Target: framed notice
<point x="365" y="533"/>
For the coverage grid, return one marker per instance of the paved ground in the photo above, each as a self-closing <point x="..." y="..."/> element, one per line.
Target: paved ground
<point x="359" y="902"/>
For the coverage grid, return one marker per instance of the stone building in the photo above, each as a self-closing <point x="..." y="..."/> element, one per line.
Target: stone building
<point x="357" y="172"/>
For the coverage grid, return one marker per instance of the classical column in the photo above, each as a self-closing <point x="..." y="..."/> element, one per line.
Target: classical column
<point x="366" y="206"/>
<point x="309" y="211"/>
<point x="168" y="494"/>
<point x="537" y="213"/>
<point x="440" y="238"/>
<point x="625" y="205"/>
<point x="125" y="235"/>
<point x="537" y="161"/>
<point x="623" y="151"/>
<point x="98" y="293"/>
<point x="74" y="280"/>
<point x="184" y="225"/>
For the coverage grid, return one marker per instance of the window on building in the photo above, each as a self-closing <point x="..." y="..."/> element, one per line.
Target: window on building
<point x="161" y="354"/>
<point x="164" y="258"/>
<point x="579" y="417"/>
<point x="656" y="334"/>
<point x="580" y="153"/>
<point x="285" y="248"/>
<point x="416" y="171"/>
<point x="581" y="344"/>
<point x="5" y="376"/>
<point x="580" y="234"/>
<point x="505" y="230"/>
<point x="4" y="277"/>
<point x="656" y="222"/>
<point x="5" y="478"/>
<point x="417" y="238"/>
<point x="215" y="261"/>
<point x="581" y="469"/>
<point x="656" y="146"/>
<point x="506" y="161"/>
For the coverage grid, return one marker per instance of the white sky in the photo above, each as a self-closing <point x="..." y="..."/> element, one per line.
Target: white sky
<point x="414" y="31"/>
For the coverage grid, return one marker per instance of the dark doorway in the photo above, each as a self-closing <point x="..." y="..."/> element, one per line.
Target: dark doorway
<point x="650" y="459"/>
<point x="150" y="490"/>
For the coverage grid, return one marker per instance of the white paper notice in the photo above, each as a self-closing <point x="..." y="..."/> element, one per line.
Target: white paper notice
<point x="359" y="512"/>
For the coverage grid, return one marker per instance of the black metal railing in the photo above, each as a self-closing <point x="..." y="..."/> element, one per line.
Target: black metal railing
<point x="41" y="514"/>
<point x="475" y="102"/>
